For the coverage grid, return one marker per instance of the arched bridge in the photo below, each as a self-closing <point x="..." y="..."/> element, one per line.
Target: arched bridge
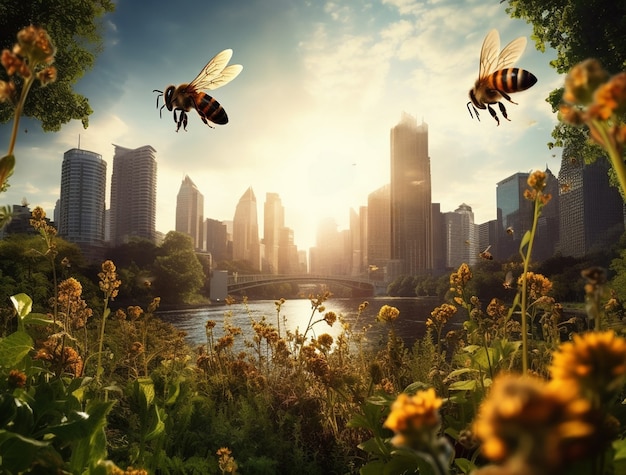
<point x="238" y="282"/>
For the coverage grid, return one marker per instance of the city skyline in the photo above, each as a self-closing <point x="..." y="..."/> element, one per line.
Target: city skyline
<point x="310" y="114"/>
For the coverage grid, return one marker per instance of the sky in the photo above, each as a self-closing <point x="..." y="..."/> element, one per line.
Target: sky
<point x="323" y="83"/>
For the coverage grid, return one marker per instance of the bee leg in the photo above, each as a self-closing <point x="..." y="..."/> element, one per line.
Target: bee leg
<point x="503" y="110"/>
<point x="493" y="113"/>
<point x="507" y="97"/>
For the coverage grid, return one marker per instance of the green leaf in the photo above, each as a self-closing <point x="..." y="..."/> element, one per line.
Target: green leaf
<point x="466" y="466"/>
<point x="7" y="165"/>
<point x="14" y="348"/>
<point x="469" y="385"/>
<point x="23" y="304"/>
<point x="524" y="243"/>
<point x="18" y="452"/>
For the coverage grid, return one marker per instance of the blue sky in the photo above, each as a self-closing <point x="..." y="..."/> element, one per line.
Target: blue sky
<point x="322" y="85"/>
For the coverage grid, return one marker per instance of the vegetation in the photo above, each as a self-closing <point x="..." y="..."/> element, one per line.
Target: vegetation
<point x="89" y="388"/>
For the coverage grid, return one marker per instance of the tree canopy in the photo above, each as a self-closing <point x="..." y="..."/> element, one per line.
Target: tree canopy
<point x="76" y="31"/>
<point x="577" y="30"/>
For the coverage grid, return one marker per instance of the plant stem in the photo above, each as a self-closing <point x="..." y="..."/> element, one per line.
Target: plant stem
<point x="616" y="160"/>
<point x="18" y="112"/>
<point x="526" y="259"/>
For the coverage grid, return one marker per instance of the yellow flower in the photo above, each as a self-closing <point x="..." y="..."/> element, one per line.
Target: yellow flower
<point x="544" y="425"/>
<point x="595" y="362"/>
<point x="537" y="285"/>
<point x="581" y="82"/>
<point x="414" y="419"/>
<point x="330" y="318"/>
<point x="441" y="315"/>
<point x="387" y="313"/>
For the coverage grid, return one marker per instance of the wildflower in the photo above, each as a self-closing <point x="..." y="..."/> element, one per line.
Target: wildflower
<point x="226" y="461"/>
<point x="387" y="313"/>
<point x="156" y="301"/>
<point x="595" y="362"/>
<point x="325" y="340"/>
<point x="526" y="420"/>
<point x="134" y="312"/>
<point x="582" y="81"/>
<point x="16" y="379"/>
<point x="108" y="280"/>
<point x="537" y="285"/>
<point x="415" y="419"/>
<point x="34" y="43"/>
<point x="441" y="315"/>
<point x="461" y="277"/>
<point x="330" y="318"/>
<point x="363" y="306"/>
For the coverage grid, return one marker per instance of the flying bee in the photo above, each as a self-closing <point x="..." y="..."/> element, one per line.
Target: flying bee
<point x="508" y="280"/>
<point x="184" y="97"/>
<point x="565" y="187"/>
<point x="486" y="254"/>
<point x="510" y="231"/>
<point x="496" y="78"/>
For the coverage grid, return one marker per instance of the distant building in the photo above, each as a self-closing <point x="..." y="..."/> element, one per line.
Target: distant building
<point x="81" y="209"/>
<point x="273" y="223"/>
<point x="20" y="222"/>
<point x="461" y="237"/>
<point x="514" y="213"/>
<point x="411" y="221"/>
<point x="327" y="257"/>
<point x="216" y="240"/>
<point x="591" y="210"/>
<point x="378" y="231"/>
<point x="246" y="245"/>
<point x="288" y="261"/>
<point x="133" y="194"/>
<point x="190" y="212"/>
<point x="439" y="239"/>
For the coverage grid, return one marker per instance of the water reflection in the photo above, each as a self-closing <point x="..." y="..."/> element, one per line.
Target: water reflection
<point x="297" y="313"/>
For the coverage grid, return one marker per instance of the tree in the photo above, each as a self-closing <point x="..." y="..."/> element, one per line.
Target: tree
<point x="75" y="30"/>
<point x="577" y="30"/>
<point x="178" y="272"/>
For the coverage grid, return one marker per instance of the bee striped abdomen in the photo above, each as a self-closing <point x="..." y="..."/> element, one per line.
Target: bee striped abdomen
<point x="210" y="109"/>
<point x="513" y="80"/>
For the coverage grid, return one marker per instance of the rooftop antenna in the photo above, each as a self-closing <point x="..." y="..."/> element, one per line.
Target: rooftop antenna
<point x="78" y="141"/>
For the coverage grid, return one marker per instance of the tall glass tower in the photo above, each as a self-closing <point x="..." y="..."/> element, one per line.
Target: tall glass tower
<point x="273" y="222"/>
<point x="190" y="212"/>
<point x="246" y="246"/>
<point x="133" y="194"/>
<point x="411" y="219"/>
<point x="82" y="202"/>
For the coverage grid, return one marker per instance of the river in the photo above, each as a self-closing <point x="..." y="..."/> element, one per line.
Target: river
<point x="296" y="313"/>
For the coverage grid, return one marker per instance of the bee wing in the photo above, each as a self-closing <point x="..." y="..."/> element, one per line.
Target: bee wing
<point x="492" y="59"/>
<point x="489" y="54"/>
<point x="215" y="73"/>
<point x="511" y="53"/>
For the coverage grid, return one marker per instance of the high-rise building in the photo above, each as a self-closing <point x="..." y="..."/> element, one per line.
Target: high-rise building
<point x="273" y="222"/>
<point x="190" y="212"/>
<point x="548" y="233"/>
<point x="246" y="245"/>
<point x="591" y="210"/>
<point x="133" y="194"/>
<point x="216" y="239"/>
<point x="378" y="231"/>
<point x="461" y="237"/>
<point x="411" y="220"/>
<point x="81" y="207"/>
<point x="514" y="212"/>
<point x="288" y="262"/>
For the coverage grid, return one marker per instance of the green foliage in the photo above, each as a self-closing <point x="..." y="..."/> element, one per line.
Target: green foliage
<point x="76" y="28"/>
<point x="178" y="273"/>
<point x="577" y="31"/>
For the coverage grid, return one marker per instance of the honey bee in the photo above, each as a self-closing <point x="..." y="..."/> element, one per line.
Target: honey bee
<point x="496" y="78"/>
<point x="510" y="231"/>
<point x="183" y="98"/>
<point x="508" y="280"/>
<point x="486" y="254"/>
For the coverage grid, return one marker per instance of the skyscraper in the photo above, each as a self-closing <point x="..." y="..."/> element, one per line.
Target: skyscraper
<point x="378" y="228"/>
<point x="591" y="210"/>
<point x="246" y="246"/>
<point x="216" y="239"/>
<point x="411" y="220"/>
<point x="514" y="212"/>
<point x="82" y="203"/>
<point x="461" y="237"/>
<point x="190" y="212"/>
<point x="133" y="194"/>
<point x="273" y="222"/>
